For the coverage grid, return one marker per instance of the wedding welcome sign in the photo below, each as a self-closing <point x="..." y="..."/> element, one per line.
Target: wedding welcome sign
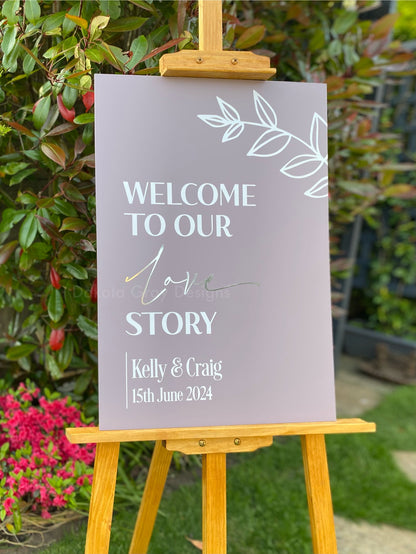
<point x="213" y="253"/>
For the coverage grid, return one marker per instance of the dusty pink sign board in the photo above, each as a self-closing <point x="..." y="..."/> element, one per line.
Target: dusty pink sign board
<point x="213" y="253"/>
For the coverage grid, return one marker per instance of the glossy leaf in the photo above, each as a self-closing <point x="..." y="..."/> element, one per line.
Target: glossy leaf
<point x="49" y="227"/>
<point x="84" y="118"/>
<point x="94" y="54"/>
<point x="111" y="8"/>
<point x="28" y="230"/>
<point x="344" y="22"/>
<point x="139" y="49"/>
<point x="6" y="250"/>
<point x="9" y="40"/>
<point x="71" y="192"/>
<point x="250" y="37"/>
<point x="53" y="21"/>
<point x="73" y="224"/>
<point x="9" y="10"/>
<point x="383" y="26"/>
<point x="32" y="10"/>
<point x="41" y="111"/>
<point x="77" y="271"/>
<point x="80" y="21"/>
<point x="97" y="24"/>
<point x="53" y="367"/>
<point x="55" y="305"/>
<point x="54" y="153"/>
<point x="21" y="176"/>
<point x="20" y="351"/>
<point x="88" y="327"/>
<point x="126" y="24"/>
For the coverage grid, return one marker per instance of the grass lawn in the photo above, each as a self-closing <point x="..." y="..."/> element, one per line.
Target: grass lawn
<point x="266" y="499"/>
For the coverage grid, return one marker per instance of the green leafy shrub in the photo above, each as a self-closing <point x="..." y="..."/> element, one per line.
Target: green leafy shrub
<point x="47" y="231"/>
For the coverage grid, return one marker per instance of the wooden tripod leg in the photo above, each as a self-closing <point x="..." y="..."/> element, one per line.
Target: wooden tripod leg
<point x="152" y="495"/>
<point x="102" y="498"/>
<point x="214" y="504"/>
<point x="319" y="494"/>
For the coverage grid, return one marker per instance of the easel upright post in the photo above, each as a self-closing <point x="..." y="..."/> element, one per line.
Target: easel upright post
<point x="210" y="25"/>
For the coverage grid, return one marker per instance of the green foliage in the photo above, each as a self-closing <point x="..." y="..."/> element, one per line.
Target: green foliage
<point x="388" y="302"/>
<point x="47" y="230"/>
<point x="405" y="27"/>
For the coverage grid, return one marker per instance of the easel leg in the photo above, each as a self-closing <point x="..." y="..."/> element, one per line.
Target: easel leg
<point x="214" y="504"/>
<point x="152" y="495"/>
<point x="102" y="498"/>
<point x="319" y="494"/>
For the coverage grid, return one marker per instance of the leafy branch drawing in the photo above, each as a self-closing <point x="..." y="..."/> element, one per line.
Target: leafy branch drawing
<point x="275" y="140"/>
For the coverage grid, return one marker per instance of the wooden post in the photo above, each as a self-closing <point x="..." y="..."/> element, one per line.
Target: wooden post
<point x="214" y="504"/>
<point x="152" y="495"/>
<point x="102" y="498"/>
<point x="210" y="24"/>
<point x="318" y="491"/>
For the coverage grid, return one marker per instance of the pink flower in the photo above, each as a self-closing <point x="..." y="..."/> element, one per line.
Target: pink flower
<point x="7" y="504"/>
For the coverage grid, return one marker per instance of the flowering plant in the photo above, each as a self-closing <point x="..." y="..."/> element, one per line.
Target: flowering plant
<point x="40" y="471"/>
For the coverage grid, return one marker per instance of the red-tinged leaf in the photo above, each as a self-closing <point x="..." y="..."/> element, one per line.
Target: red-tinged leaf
<point x="61" y="129"/>
<point x="162" y="48"/>
<point x="89" y="161"/>
<point x="86" y="245"/>
<point x="7" y="250"/>
<point x="83" y="23"/>
<point x="20" y="128"/>
<point x="54" y="153"/>
<point x="57" y="339"/>
<point x="73" y="224"/>
<point x="49" y="227"/>
<point x="71" y="192"/>
<point x="67" y="114"/>
<point x="334" y="83"/>
<point x="196" y="543"/>
<point x="250" y="37"/>
<point x="79" y="147"/>
<point x="383" y="26"/>
<point x="54" y="278"/>
<point x="93" y="291"/>
<point x="88" y="99"/>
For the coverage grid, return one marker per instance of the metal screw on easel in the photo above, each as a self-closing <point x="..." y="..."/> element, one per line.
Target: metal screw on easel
<point x="202" y="443"/>
<point x="237" y="442"/>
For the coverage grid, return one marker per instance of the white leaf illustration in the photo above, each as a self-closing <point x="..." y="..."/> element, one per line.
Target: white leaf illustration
<point x="214" y="120"/>
<point x="270" y="143"/>
<point x="264" y="111"/>
<point x="234" y="131"/>
<point x="302" y="166"/>
<point x="316" y="134"/>
<point x="228" y="111"/>
<point x="319" y="189"/>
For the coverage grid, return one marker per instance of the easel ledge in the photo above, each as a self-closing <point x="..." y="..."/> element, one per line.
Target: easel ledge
<point x="84" y="435"/>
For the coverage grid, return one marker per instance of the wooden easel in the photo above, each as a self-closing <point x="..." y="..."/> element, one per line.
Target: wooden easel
<point x="212" y="442"/>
